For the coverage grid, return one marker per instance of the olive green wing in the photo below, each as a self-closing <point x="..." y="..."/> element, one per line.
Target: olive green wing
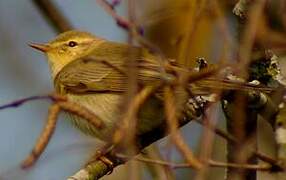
<point x="97" y="74"/>
<point x="89" y="74"/>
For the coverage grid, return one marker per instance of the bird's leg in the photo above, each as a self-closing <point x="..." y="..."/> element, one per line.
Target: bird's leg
<point x="100" y="154"/>
<point x="44" y="138"/>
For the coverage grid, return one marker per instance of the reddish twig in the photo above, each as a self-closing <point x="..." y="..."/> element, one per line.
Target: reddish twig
<point x="135" y="30"/>
<point x="20" y="102"/>
<point x="120" y="21"/>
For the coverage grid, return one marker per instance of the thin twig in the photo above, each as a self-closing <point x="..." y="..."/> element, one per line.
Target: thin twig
<point x="19" y="102"/>
<point x="65" y="105"/>
<point x="232" y="139"/>
<point x="44" y="138"/>
<point x="210" y="120"/>
<point x="82" y="112"/>
<point x="254" y="167"/>
<point x="248" y="37"/>
<point x="120" y="21"/>
<point x="210" y="162"/>
<point x="134" y="30"/>
<point x="172" y="122"/>
<point x="60" y="102"/>
<point x="132" y="111"/>
<point x="157" y="172"/>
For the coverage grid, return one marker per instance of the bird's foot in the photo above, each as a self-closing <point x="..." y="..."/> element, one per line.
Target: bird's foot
<point x="101" y="154"/>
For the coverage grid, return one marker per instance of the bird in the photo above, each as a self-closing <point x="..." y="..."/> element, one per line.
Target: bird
<point x="77" y="62"/>
<point x="92" y="72"/>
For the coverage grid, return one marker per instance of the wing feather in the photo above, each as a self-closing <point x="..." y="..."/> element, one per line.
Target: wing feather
<point x="93" y="74"/>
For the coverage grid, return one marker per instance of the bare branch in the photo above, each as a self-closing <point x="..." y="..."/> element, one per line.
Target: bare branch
<point x="172" y="121"/>
<point x="210" y="162"/>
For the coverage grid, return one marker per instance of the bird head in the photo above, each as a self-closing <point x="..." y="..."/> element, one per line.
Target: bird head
<point x="67" y="47"/>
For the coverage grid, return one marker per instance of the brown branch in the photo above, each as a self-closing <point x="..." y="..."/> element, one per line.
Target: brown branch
<point x="132" y="111"/>
<point x="230" y="138"/>
<point x="53" y="15"/>
<point x="96" y="169"/>
<point x="157" y="172"/>
<point x="49" y="128"/>
<point x="134" y="30"/>
<point x="210" y="162"/>
<point x="120" y="21"/>
<point x="210" y="119"/>
<point x="44" y="138"/>
<point x="248" y="36"/>
<point x="254" y="167"/>
<point x="172" y="122"/>
<point x="82" y="112"/>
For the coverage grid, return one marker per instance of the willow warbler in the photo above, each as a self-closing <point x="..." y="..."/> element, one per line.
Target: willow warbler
<point x="79" y="71"/>
<point x="76" y="61"/>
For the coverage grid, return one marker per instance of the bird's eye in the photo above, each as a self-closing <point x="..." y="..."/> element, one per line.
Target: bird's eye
<point x="72" y="44"/>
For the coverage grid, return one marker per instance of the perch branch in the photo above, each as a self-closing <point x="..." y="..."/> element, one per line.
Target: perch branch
<point x="210" y="162"/>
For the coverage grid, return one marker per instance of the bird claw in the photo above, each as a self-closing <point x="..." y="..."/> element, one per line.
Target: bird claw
<point x="107" y="162"/>
<point x="100" y="155"/>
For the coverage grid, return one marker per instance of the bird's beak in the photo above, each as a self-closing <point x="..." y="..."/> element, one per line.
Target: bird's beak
<point x="41" y="47"/>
